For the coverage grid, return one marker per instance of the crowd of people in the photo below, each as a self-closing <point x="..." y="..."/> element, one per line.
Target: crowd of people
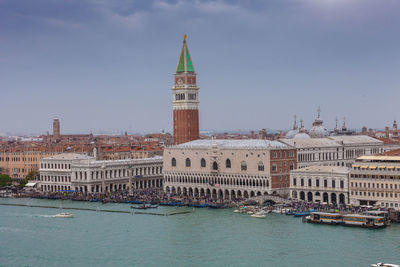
<point x="153" y="196"/>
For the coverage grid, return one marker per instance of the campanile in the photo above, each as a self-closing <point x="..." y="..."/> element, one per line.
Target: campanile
<point x="185" y="99"/>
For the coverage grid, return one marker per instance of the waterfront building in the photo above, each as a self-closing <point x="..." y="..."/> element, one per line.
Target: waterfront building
<point x="375" y="180"/>
<point x="18" y="161"/>
<point x="185" y="99"/>
<point x="336" y="150"/>
<point x="228" y="168"/>
<point x="70" y="171"/>
<point x="321" y="184"/>
<point x="55" y="171"/>
<point x="98" y="176"/>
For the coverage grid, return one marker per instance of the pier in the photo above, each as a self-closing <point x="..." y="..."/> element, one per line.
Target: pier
<point x="99" y="210"/>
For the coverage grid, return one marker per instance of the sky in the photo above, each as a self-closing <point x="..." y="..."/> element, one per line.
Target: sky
<point x="107" y="66"/>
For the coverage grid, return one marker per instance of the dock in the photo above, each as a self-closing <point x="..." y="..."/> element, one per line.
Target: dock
<point x="98" y="210"/>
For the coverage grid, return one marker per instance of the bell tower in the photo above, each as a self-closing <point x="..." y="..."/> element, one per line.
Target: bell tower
<point x="185" y="99"/>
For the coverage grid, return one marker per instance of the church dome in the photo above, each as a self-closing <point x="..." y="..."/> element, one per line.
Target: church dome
<point x="318" y="131"/>
<point x="291" y="134"/>
<point x="301" y="136"/>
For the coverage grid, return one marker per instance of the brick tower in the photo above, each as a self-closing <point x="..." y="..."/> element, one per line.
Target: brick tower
<point x="56" y="129"/>
<point x="186" y="99"/>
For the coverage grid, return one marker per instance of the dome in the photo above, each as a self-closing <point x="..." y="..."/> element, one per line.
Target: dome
<point x="318" y="131"/>
<point x="291" y="134"/>
<point x="301" y="136"/>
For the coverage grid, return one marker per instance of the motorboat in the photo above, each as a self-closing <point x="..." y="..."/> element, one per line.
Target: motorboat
<point x="64" y="215"/>
<point x="380" y="264"/>
<point x="258" y="215"/>
<point x="301" y="214"/>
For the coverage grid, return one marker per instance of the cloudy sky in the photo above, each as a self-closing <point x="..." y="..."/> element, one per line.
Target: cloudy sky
<point x="108" y="65"/>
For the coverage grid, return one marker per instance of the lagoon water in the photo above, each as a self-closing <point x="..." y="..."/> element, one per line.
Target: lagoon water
<point x="32" y="237"/>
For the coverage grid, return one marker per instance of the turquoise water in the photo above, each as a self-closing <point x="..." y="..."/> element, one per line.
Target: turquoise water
<point x="32" y="237"/>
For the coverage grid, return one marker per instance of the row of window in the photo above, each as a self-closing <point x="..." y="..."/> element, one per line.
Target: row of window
<point x="55" y="178"/>
<point x="317" y="183"/>
<point x="374" y="185"/>
<point x="373" y="194"/>
<point x="278" y="155"/>
<point x="18" y="159"/>
<point x="117" y="173"/>
<point x="60" y="166"/>
<point x="228" y="164"/>
<point x="348" y="154"/>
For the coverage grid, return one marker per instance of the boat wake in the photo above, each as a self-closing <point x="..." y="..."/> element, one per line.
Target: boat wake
<point x="46" y="216"/>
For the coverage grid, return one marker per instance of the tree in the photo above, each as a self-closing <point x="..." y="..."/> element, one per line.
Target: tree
<point x="5" y="180"/>
<point x="32" y="175"/>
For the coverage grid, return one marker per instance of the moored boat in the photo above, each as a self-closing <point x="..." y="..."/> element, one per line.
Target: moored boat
<point x="301" y="213"/>
<point x="325" y="217"/>
<point x="367" y="221"/>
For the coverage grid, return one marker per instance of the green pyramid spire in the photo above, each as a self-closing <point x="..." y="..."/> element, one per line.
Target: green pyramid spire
<point x="185" y="62"/>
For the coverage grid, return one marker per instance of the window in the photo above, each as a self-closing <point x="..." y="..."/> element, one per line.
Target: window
<point x="203" y="163"/>
<point x="333" y="183"/>
<point x="309" y="182"/>
<point x="260" y="166"/>
<point x="173" y="162"/>
<point x="325" y="183"/>
<point x="291" y="166"/>
<point x="187" y="162"/>
<point x="243" y="166"/>
<point x="294" y="181"/>
<point x="317" y="182"/>
<point x="302" y="182"/>
<point x="228" y="163"/>
<point x="274" y="167"/>
<point x="215" y="165"/>
<point x="342" y="184"/>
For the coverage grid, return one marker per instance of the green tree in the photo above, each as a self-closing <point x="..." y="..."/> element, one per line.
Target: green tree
<point x="32" y="175"/>
<point x="4" y="180"/>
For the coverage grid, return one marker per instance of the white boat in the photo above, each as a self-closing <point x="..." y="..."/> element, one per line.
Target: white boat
<point x="250" y="212"/>
<point x="258" y="215"/>
<point x="64" y="215"/>
<point x="277" y="211"/>
<point x="380" y="264"/>
<point x="236" y="211"/>
<point x="261" y="212"/>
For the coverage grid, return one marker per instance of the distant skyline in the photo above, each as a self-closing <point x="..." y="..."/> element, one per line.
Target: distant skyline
<point x="108" y="65"/>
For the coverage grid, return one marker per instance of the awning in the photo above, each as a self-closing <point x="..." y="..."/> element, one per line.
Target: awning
<point x="364" y="167"/>
<point x="356" y="166"/>
<point x="390" y="167"/>
<point x="381" y="167"/>
<point x="30" y="184"/>
<point x="372" y="167"/>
